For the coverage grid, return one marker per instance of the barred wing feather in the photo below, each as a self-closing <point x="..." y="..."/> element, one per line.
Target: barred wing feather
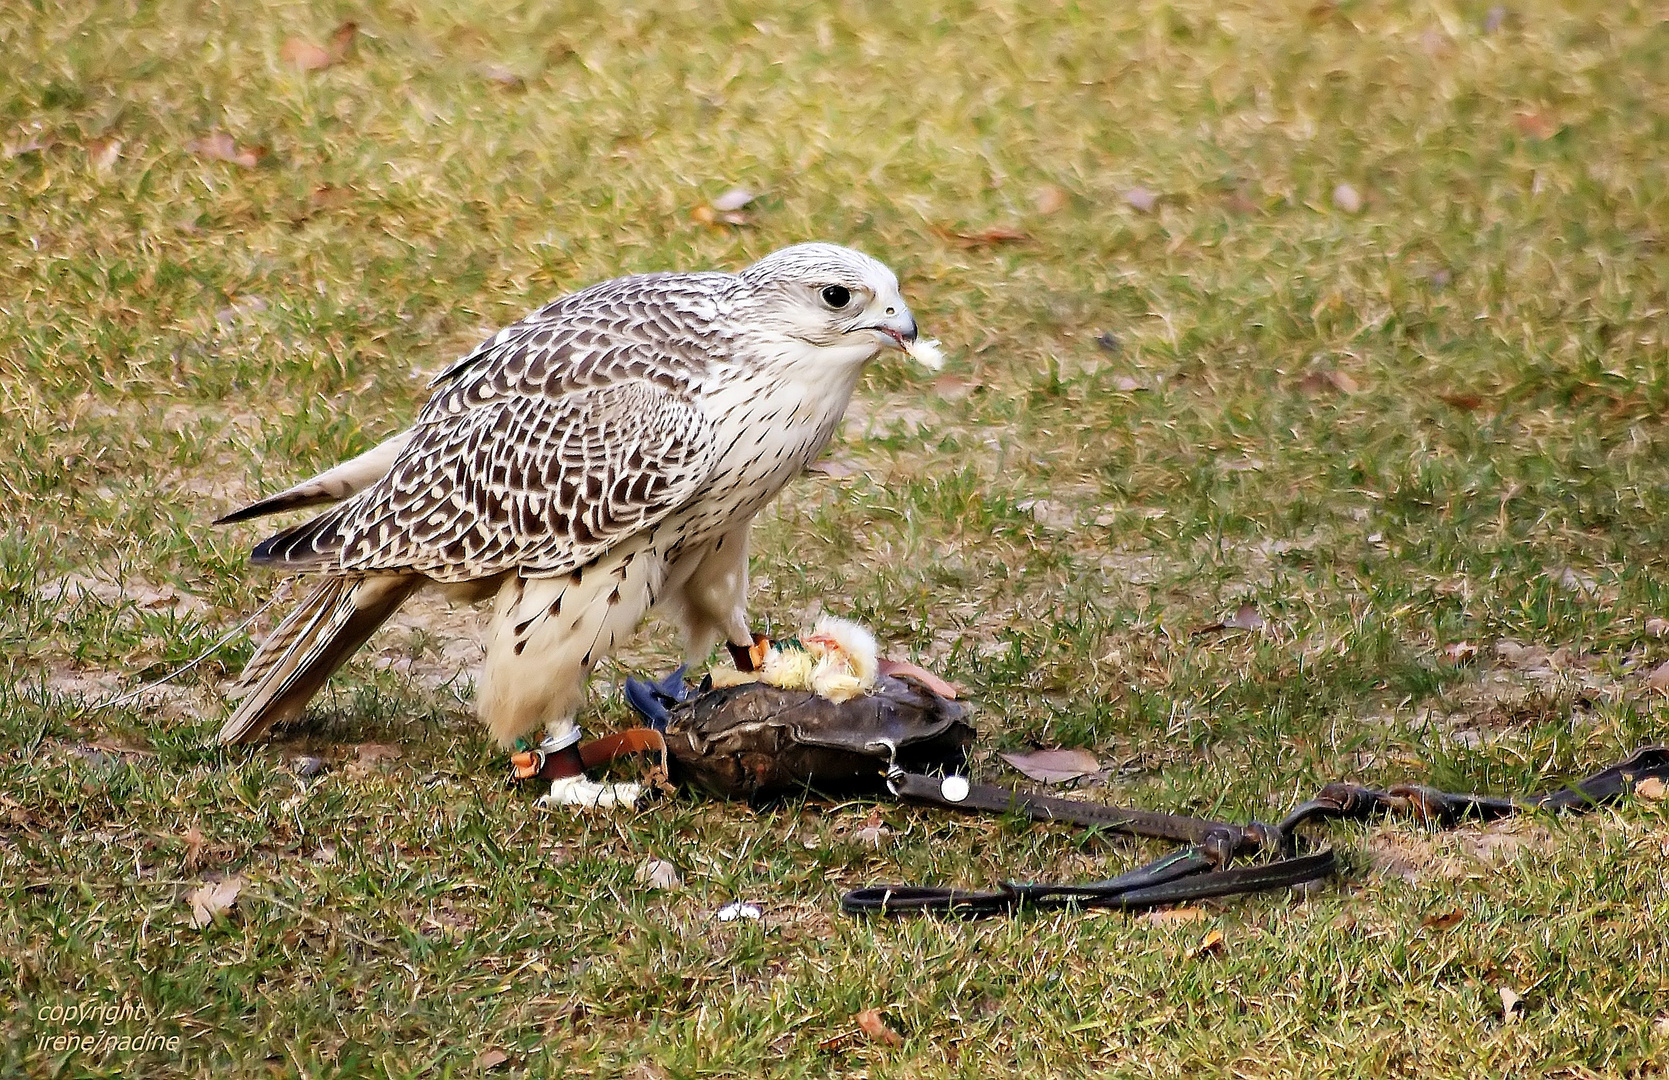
<point x="540" y="484"/>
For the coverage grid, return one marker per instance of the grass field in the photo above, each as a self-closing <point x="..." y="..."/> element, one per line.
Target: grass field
<point x="1354" y="313"/>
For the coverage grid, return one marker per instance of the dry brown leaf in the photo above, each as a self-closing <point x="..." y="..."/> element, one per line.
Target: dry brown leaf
<point x="1659" y="678"/>
<point x="212" y="899"/>
<point x="1443" y="920"/>
<point x="1210" y="945"/>
<point x="1461" y="652"/>
<point x="1535" y="124"/>
<point x="373" y="753"/>
<point x="657" y="874"/>
<point x="873" y="831"/>
<point x="996" y="234"/>
<point x="27" y="146"/>
<point x="904" y="669"/>
<point x="504" y="77"/>
<point x="370" y="758"/>
<point x="1246" y="617"/>
<point x="304" y="54"/>
<point x="955" y="387"/>
<point x="1054" y="766"/>
<point x="1573" y="580"/>
<point x="342" y="39"/>
<point x="875" y="1026"/>
<point x="1141" y="199"/>
<point x="329" y="197"/>
<point x="490" y="1059"/>
<point x="1328" y="379"/>
<point x="307" y="56"/>
<point x="219" y="146"/>
<point x="1461" y="400"/>
<point x="707" y="215"/>
<point x="1433" y="42"/>
<point x="193" y="837"/>
<point x="1050" y="199"/>
<point x="1651" y="789"/>
<point x="837" y="468"/>
<point x="103" y="153"/>
<point x="1175" y="916"/>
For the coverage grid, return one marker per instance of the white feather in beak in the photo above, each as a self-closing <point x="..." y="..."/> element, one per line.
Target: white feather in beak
<point x="926" y="352"/>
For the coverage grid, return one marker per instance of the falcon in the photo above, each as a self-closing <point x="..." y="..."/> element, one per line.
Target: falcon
<point x="602" y="458"/>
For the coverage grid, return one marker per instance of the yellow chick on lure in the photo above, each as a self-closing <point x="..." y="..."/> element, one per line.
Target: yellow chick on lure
<point x="848" y="660"/>
<point x="838" y="660"/>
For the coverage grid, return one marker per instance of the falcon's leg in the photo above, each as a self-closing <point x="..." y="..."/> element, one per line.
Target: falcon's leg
<point x="707" y="595"/>
<point x="547" y="635"/>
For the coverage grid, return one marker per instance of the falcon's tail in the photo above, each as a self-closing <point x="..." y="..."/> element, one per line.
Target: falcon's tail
<point x="313" y="640"/>
<point x="333" y="485"/>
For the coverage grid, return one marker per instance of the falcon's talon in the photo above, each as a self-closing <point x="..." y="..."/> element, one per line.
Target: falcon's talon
<point x="750" y="657"/>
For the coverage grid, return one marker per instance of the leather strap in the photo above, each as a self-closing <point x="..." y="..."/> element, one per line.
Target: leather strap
<point x="1183" y="875"/>
<point x="1218" y="837"/>
<point x="573" y="760"/>
<point x="1445" y="808"/>
<point x="1202" y="868"/>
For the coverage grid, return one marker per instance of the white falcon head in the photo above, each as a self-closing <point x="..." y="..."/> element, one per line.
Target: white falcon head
<point x="843" y="304"/>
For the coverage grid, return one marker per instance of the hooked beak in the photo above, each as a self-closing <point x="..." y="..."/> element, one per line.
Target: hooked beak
<point x="899" y="330"/>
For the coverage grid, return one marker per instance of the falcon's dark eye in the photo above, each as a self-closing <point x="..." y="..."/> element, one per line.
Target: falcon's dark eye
<point x="837" y="296"/>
